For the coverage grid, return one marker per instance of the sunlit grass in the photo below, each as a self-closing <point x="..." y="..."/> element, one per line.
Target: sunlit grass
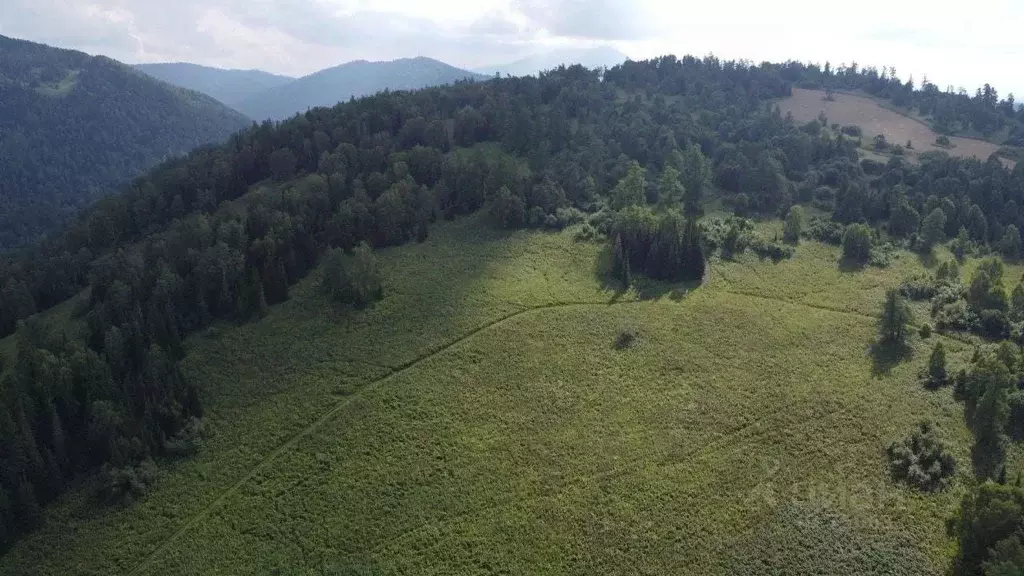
<point x="480" y="420"/>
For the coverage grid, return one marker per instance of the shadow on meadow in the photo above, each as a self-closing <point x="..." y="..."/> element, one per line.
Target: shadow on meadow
<point x="886" y="356"/>
<point x="644" y="288"/>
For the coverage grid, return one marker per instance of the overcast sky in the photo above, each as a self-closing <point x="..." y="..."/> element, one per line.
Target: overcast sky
<point x="952" y="42"/>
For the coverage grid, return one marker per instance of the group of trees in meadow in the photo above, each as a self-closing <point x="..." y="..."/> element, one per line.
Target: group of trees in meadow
<point x="989" y="521"/>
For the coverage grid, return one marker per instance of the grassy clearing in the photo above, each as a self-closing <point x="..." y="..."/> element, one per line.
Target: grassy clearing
<point x="874" y="119"/>
<point x="480" y="420"/>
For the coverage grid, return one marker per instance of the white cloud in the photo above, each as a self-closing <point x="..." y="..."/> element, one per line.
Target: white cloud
<point x="950" y="42"/>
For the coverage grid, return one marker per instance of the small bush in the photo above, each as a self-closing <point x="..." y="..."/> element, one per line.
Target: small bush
<point x="943" y="141"/>
<point x="872" y="167"/>
<point x="926" y="330"/>
<point x="922" y="460"/>
<point x="586" y="233"/>
<point x="626" y="338"/>
<point x="882" y="256"/>
<point x="568" y="216"/>
<point x="769" y="249"/>
<point x="827" y="231"/>
<point x="187" y="441"/>
<point x="602" y="221"/>
<point x="854" y="131"/>
<point x="127" y="484"/>
<point x="918" y="288"/>
<point x="956" y="315"/>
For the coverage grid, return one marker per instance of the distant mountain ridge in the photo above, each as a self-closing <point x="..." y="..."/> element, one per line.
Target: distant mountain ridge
<point x="597" y="57"/>
<point x="229" y="86"/>
<point x="353" y="79"/>
<point x="75" y="127"/>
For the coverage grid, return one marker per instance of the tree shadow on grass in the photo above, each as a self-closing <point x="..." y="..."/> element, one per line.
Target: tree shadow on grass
<point x="887" y="355"/>
<point x="850" y="265"/>
<point x="927" y="259"/>
<point x="646" y="288"/>
<point x="988" y="458"/>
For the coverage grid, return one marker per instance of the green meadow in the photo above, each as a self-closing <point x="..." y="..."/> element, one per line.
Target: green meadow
<point x="480" y="420"/>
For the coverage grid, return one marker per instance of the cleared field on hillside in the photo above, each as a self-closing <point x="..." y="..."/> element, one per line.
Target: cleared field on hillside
<point x="873" y="119"/>
<point x="478" y="420"/>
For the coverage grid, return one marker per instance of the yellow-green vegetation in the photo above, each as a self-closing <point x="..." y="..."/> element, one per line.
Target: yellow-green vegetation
<point x="479" y="419"/>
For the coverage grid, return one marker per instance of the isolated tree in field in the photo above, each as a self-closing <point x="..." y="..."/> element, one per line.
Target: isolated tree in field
<point x="857" y="243"/>
<point x="794" y="225"/>
<point x="1010" y="245"/>
<point x="632" y="189"/>
<point x="352" y="279"/>
<point x="695" y="171"/>
<point x="933" y="229"/>
<point x="896" y="316"/>
<point x="670" y="188"/>
<point x="937" y="375"/>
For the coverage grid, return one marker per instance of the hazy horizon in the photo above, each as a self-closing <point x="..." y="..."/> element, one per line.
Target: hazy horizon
<point x="295" y="39"/>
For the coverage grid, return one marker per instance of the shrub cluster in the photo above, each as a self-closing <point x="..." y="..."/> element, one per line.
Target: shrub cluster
<point x="922" y="460"/>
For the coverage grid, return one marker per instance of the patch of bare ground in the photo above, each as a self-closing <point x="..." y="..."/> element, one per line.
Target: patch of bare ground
<point x="873" y="119"/>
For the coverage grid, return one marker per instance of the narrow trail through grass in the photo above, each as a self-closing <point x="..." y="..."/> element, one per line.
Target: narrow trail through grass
<point x="339" y="406"/>
<point x="725" y="441"/>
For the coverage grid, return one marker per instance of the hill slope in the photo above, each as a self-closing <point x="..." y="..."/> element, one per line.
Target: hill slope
<point x="601" y="56"/>
<point x="481" y="414"/>
<point x="359" y="78"/>
<point x="73" y="127"/>
<point x="478" y="414"/>
<point x="227" y="86"/>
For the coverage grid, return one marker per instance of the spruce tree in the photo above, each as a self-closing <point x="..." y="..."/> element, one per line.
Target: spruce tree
<point x="937" y="374"/>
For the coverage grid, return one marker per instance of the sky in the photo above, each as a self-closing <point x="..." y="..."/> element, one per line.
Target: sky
<point x="939" y="38"/>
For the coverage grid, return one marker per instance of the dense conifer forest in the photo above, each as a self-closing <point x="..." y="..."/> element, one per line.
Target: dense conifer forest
<point x="74" y="127"/>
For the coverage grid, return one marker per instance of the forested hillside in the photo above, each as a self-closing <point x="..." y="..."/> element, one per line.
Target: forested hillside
<point x="73" y="127"/>
<point x="642" y="149"/>
<point x="353" y="79"/>
<point x="228" y="86"/>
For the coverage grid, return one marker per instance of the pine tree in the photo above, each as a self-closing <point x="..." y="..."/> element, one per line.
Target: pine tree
<point x="896" y="315"/>
<point x="794" y="225"/>
<point x="937" y="374"/>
